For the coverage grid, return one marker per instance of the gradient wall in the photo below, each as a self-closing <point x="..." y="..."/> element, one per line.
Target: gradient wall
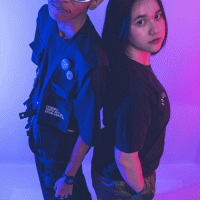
<point x="177" y="67"/>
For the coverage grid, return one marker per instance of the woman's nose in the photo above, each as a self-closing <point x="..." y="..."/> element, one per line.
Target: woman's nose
<point x="153" y="29"/>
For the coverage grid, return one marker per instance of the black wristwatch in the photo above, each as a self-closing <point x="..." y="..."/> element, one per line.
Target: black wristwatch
<point x="69" y="180"/>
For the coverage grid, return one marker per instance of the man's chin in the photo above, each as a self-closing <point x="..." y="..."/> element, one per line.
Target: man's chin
<point x="56" y="16"/>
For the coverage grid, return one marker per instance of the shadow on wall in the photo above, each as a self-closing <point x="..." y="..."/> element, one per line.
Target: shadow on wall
<point x="182" y="135"/>
<point x="197" y="157"/>
<point x="190" y="192"/>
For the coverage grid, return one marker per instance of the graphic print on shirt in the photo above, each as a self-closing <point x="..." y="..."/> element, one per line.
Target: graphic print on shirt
<point x="53" y="111"/>
<point x="163" y="96"/>
<point x="163" y="101"/>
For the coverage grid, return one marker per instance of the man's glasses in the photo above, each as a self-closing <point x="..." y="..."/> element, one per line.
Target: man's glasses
<point x="58" y="1"/>
<point x="82" y="0"/>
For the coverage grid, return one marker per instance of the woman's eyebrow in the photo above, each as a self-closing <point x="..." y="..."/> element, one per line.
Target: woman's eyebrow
<point x="143" y="16"/>
<point x="158" y="11"/>
<point x="140" y="16"/>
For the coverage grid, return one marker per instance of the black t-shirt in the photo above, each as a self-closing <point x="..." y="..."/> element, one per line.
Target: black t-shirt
<point x="136" y="112"/>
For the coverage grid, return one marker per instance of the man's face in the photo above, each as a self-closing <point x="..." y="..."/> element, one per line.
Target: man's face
<point x="65" y="10"/>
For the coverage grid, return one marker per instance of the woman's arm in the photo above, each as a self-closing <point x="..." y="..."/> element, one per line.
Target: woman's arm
<point x="130" y="168"/>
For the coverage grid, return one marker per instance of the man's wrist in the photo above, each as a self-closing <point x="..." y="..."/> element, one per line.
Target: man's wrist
<point x="69" y="180"/>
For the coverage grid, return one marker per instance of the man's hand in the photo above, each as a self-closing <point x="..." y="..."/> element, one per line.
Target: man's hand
<point x="62" y="189"/>
<point x="78" y="154"/>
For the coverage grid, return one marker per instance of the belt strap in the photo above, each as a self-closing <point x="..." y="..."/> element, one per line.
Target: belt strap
<point x="72" y="131"/>
<point x="29" y="113"/>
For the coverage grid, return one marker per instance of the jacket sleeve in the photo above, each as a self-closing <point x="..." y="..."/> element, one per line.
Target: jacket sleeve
<point x="37" y="46"/>
<point x="40" y="14"/>
<point x="88" y="105"/>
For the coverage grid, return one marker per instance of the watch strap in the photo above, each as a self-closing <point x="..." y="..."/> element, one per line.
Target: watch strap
<point x="69" y="180"/>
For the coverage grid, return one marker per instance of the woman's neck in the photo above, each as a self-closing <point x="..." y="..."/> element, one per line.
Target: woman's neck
<point x="140" y="56"/>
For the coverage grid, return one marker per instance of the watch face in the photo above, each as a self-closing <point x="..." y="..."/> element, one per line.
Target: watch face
<point x="69" y="180"/>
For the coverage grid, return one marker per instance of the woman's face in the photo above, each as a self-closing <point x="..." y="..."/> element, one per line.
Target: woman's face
<point x="147" y="29"/>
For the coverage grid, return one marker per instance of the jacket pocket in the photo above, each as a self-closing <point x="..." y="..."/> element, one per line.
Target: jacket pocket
<point x="38" y="51"/>
<point x="55" y="109"/>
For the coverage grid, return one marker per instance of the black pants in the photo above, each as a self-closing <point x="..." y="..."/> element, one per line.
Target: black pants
<point x="50" y="171"/>
<point x="120" y="190"/>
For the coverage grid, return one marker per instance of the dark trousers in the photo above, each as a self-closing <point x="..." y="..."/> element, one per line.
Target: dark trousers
<point x="49" y="172"/>
<point x="120" y="190"/>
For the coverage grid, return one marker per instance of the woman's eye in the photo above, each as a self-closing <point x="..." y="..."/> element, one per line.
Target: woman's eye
<point x="158" y="16"/>
<point x="141" y="22"/>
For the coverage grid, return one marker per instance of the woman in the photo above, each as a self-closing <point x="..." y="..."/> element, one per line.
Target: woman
<point x="136" y="107"/>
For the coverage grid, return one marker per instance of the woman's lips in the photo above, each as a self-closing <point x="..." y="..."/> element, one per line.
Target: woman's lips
<point x="155" y="41"/>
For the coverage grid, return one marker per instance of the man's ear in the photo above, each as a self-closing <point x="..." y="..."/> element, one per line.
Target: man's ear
<point x="94" y="4"/>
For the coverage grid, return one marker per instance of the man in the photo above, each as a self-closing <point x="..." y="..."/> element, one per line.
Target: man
<point x="64" y="105"/>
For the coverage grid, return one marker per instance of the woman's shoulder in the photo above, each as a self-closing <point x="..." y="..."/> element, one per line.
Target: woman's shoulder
<point x="125" y="78"/>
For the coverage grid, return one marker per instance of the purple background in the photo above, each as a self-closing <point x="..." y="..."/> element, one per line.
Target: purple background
<point x="177" y="67"/>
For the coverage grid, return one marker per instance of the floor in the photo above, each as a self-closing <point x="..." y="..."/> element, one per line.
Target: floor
<point x="174" y="182"/>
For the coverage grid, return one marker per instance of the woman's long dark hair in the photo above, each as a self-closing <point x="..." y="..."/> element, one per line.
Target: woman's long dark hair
<point x="117" y="25"/>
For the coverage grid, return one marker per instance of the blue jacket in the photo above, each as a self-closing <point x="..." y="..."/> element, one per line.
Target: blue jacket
<point x="54" y="93"/>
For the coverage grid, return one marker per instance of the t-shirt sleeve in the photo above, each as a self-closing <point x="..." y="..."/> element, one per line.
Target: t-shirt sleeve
<point x="133" y="118"/>
<point x="88" y="105"/>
